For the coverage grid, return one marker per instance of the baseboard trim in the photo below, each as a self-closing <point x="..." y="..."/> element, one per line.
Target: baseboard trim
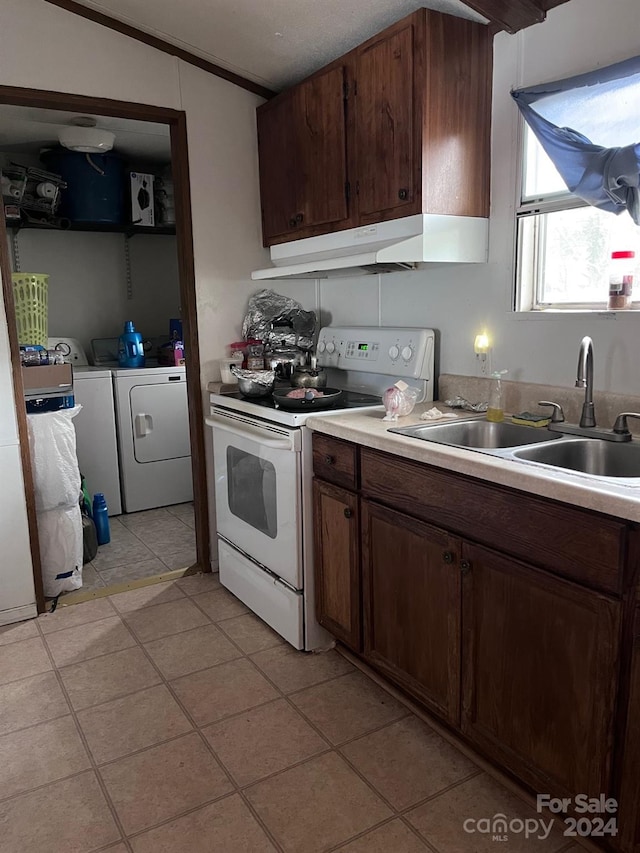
<point x="83" y="595"/>
<point x="18" y="614"/>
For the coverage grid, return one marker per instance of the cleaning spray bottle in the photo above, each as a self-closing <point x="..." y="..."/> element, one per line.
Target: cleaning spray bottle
<point x="495" y="411"/>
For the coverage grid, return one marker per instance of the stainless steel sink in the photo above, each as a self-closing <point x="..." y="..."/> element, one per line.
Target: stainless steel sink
<point x="479" y="434"/>
<point x="589" y="455"/>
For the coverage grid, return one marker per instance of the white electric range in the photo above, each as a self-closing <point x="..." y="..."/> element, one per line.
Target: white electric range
<point x="263" y="469"/>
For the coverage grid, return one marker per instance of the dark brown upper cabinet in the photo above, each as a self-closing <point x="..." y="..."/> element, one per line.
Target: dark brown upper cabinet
<point x="302" y="152"/>
<point x="386" y="135"/>
<point x="398" y="126"/>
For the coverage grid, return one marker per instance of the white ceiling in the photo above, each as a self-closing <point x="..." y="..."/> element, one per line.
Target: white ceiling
<point x="25" y="129"/>
<point x="273" y="42"/>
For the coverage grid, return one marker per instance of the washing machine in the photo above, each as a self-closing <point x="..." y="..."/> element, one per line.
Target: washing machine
<point x="96" y="441"/>
<point x="153" y="436"/>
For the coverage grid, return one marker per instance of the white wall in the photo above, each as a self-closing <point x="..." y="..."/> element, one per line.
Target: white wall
<point x="227" y="236"/>
<point x="45" y="47"/>
<point x="8" y="423"/>
<point x="77" y="56"/>
<point x="459" y="300"/>
<point x="17" y="593"/>
<point x="88" y="284"/>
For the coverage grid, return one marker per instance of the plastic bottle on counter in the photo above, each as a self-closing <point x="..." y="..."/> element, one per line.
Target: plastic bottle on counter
<point x="101" y="519"/>
<point x="495" y="411"/>
<point x="621" y="280"/>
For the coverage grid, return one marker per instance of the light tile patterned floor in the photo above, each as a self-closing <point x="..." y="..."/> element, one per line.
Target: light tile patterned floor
<point x="169" y="719"/>
<point x="144" y="544"/>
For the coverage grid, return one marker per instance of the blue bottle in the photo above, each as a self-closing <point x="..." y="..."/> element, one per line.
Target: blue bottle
<point x="101" y="519"/>
<point x="130" y="348"/>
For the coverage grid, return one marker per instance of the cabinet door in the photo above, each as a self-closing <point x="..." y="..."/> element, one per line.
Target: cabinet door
<point x="630" y="749"/>
<point x="302" y="151"/>
<point x="388" y="160"/>
<point x="539" y="673"/>
<point x="319" y="121"/>
<point x="411" y="581"/>
<point x="278" y="165"/>
<point x="337" y="562"/>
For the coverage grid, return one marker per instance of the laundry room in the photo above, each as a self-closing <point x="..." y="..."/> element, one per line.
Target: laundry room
<point x="90" y="216"/>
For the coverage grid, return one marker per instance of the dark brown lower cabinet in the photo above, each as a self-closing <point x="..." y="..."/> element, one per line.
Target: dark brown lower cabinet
<point x="539" y="664"/>
<point x="630" y="772"/>
<point x="337" y="563"/>
<point x="524" y="638"/>
<point x="411" y="586"/>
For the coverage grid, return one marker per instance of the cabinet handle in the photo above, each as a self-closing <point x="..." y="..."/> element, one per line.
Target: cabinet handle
<point x="403" y="194"/>
<point x="329" y="460"/>
<point x="299" y="218"/>
<point x="292" y="222"/>
<point x="447" y="556"/>
<point x="465" y="566"/>
<point x="348" y="513"/>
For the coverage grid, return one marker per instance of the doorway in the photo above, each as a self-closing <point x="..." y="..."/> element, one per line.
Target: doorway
<point x="175" y="123"/>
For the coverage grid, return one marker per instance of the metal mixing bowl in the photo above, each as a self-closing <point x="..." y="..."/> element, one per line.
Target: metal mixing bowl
<point x="254" y="383"/>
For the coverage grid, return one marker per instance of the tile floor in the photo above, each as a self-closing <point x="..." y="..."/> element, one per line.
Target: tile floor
<point x="143" y="544"/>
<point x="169" y="719"/>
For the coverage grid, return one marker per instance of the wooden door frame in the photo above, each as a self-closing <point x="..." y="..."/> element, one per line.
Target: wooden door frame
<point x="176" y="120"/>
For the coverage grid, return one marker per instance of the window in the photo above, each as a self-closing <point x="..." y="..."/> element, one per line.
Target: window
<point x="580" y="188"/>
<point x="563" y="244"/>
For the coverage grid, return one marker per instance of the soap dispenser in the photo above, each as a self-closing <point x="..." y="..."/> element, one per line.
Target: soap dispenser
<point x="495" y="410"/>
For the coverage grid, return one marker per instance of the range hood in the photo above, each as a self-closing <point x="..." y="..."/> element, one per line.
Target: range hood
<point x="399" y="244"/>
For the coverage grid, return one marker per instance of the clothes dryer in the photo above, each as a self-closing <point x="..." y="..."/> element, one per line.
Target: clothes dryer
<point x="153" y="437"/>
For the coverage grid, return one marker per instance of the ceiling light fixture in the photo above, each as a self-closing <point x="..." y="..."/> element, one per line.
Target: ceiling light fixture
<point x="82" y="135"/>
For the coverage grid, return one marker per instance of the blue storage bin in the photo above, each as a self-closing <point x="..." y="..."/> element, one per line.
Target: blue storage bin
<point x="95" y="185"/>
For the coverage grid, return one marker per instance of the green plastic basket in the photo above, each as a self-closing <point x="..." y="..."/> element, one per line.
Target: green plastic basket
<point x="30" y="294"/>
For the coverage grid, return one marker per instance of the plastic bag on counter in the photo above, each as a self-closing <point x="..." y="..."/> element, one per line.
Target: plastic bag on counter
<point x="279" y="321"/>
<point x="399" y="400"/>
<point x="61" y="548"/>
<point x="465" y="405"/>
<point x="56" y="477"/>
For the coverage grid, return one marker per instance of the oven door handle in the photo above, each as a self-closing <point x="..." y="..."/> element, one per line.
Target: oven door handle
<point x="247" y="431"/>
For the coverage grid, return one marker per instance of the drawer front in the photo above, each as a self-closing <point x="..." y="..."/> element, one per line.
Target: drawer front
<point x="575" y="543"/>
<point x="335" y="461"/>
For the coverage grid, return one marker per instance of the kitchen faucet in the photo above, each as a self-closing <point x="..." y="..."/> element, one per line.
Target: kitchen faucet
<point x="584" y="379"/>
<point x="587" y="425"/>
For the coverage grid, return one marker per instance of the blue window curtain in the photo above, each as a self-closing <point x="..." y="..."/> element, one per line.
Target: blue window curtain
<point x="589" y="125"/>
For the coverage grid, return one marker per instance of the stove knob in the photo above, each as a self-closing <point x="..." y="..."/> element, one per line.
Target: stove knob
<point x="331" y="347"/>
<point x="320" y="347"/>
<point x="394" y="352"/>
<point x="407" y="353"/>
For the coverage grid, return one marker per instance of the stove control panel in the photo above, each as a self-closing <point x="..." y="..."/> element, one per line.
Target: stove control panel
<point x="400" y="352"/>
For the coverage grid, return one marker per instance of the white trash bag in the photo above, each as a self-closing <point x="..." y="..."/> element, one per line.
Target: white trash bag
<point x="60" y="534"/>
<point x="52" y="439"/>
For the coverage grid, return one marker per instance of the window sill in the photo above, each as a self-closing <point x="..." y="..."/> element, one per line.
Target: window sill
<point x="560" y="313"/>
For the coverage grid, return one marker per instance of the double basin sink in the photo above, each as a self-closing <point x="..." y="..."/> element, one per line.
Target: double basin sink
<point x="592" y="456"/>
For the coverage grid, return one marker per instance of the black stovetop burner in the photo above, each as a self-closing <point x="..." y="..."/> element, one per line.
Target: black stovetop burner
<point x="348" y="399"/>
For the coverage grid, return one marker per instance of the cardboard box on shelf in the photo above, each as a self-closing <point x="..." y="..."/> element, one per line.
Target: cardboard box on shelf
<point x="142" y="202"/>
<point x="171" y="354"/>
<point x="47" y="377"/>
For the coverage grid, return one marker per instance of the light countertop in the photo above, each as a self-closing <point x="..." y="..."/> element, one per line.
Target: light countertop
<point x="367" y="428"/>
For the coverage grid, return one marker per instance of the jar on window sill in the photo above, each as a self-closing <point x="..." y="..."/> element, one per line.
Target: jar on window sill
<point x="621" y="280"/>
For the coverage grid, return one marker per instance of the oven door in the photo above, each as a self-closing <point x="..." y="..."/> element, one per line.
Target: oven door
<point x="258" y="491"/>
